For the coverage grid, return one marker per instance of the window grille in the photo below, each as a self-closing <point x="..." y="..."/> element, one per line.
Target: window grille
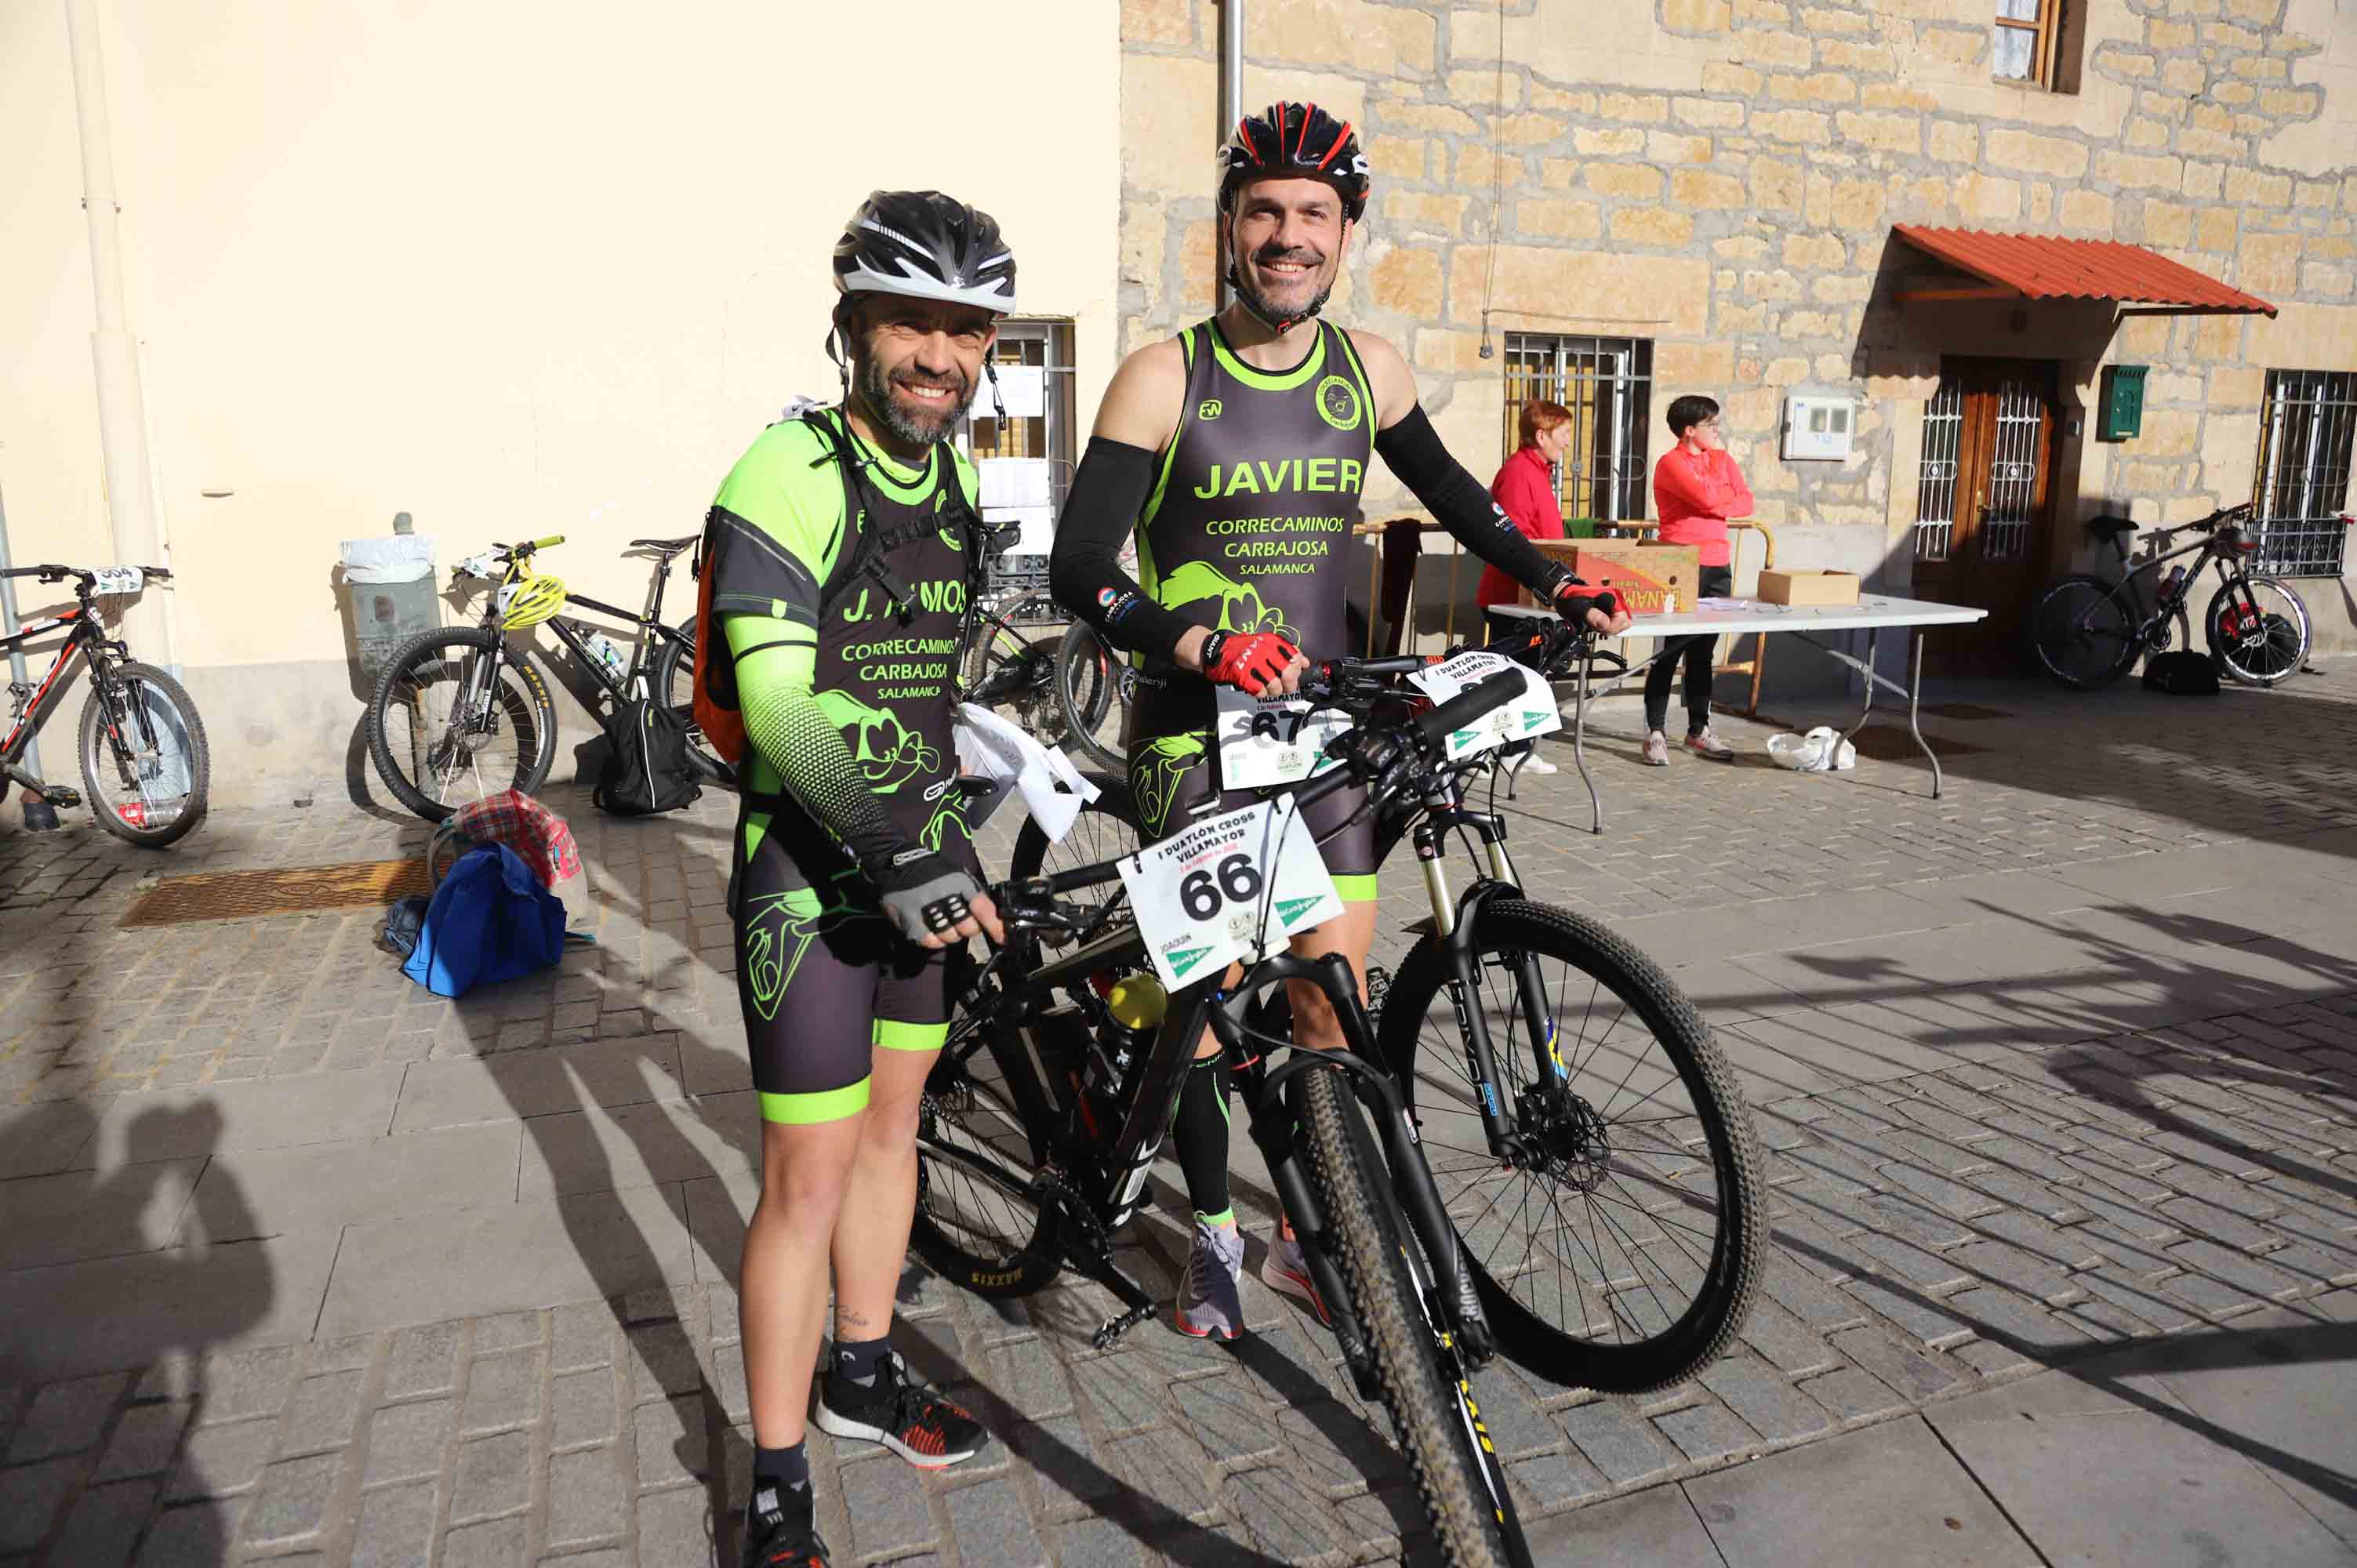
<point x="1935" y="488"/>
<point x="2302" y="478"/>
<point x="1608" y="385"/>
<point x="1045" y="347"/>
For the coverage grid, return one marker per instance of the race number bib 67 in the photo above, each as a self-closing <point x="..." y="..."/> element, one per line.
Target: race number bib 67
<point x="1532" y="713"/>
<point x="1234" y="887"/>
<point x="1273" y="740"/>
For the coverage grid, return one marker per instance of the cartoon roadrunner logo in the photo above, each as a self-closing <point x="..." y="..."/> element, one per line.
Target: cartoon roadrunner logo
<point x="779" y="930"/>
<point x="1155" y="771"/>
<point x="1240" y="606"/>
<point x="1338" y="402"/>
<point x="889" y="753"/>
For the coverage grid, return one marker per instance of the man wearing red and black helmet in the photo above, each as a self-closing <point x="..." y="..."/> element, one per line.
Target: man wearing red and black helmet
<point x="1238" y="452"/>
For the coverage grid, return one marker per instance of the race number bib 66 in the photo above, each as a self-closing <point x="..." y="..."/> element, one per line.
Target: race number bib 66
<point x="1273" y="740"/>
<point x="1532" y="713"/>
<point x="1234" y="887"/>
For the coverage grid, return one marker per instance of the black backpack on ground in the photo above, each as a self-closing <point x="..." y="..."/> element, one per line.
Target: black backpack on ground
<point x="646" y="768"/>
<point x="2182" y="672"/>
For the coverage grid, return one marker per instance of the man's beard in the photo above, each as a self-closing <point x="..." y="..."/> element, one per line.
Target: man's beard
<point x="1241" y="278"/>
<point x="917" y="429"/>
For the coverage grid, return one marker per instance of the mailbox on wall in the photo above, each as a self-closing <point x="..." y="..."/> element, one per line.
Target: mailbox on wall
<point x="2120" y="405"/>
<point x="1819" y="425"/>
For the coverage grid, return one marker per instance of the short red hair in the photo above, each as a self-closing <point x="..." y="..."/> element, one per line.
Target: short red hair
<point x="1539" y="417"/>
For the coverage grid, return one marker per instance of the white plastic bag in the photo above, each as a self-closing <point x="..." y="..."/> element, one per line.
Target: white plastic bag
<point x="990" y="748"/>
<point x="1822" y="750"/>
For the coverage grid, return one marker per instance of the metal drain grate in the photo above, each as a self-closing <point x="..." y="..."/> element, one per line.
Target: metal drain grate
<point x="251" y="895"/>
<point x="1967" y="711"/>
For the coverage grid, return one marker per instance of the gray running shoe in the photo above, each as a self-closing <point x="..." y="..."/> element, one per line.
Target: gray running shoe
<point x="1707" y="744"/>
<point x="1657" y="750"/>
<point x="1209" y="1302"/>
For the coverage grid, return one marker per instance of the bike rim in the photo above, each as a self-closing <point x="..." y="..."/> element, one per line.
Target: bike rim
<point x="152" y="778"/>
<point x="456" y="744"/>
<point x="1617" y="1236"/>
<point x="2083" y="634"/>
<point x="2273" y="650"/>
<point x="973" y="1153"/>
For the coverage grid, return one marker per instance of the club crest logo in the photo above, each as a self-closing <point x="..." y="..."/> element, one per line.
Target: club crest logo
<point x="1338" y="402"/>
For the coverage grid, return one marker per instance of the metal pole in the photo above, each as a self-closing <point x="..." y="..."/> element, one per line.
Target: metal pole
<point x="39" y="815"/>
<point x="1232" y="97"/>
<point x="122" y="417"/>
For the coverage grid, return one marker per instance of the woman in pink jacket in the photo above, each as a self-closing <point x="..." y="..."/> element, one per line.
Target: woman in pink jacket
<point x="1696" y="489"/>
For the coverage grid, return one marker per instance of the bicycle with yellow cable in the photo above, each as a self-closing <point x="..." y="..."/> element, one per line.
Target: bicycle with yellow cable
<point x="463" y="713"/>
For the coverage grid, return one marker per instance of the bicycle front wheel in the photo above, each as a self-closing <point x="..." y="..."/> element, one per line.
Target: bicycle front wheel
<point x="145" y="761"/>
<point x="2082" y="634"/>
<point x="2258" y="630"/>
<point x="979" y="1222"/>
<point x="457" y="717"/>
<point x="1092" y="685"/>
<point x="1618" y="1247"/>
<point x="1440" y="1433"/>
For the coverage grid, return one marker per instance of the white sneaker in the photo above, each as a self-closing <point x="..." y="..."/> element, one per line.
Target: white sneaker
<point x="1538" y="764"/>
<point x="1657" y="750"/>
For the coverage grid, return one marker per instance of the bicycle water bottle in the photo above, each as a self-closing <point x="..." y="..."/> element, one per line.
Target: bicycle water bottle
<point x="608" y="653"/>
<point x="1137" y="1002"/>
<point x="2176" y="579"/>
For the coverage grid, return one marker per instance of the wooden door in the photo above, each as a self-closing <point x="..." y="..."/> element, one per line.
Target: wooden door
<point x="1984" y="505"/>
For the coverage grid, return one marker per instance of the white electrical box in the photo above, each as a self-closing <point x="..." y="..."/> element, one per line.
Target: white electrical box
<point x="1819" y="425"/>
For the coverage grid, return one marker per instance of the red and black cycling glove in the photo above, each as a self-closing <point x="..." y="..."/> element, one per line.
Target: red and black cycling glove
<point x="1250" y="661"/>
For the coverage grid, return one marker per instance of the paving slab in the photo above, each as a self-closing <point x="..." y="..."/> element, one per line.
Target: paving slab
<point x="536" y="1253"/>
<point x="2098" y="1474"/>
<point x="538" y="1082"/>
<point x="270" y="1192"/>
<point x="1889" y="1494"/>
<point x="76" y="1215"/>
<point x="321" y="1108"/>
<point x="639" y="1145"/>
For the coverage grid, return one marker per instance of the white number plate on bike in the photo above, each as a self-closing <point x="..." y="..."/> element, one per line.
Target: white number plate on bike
<point x="1296" y="748"/>
<point x="1234" y="887"/>
<point x="118" y="580"/>
<point x="1532" y="713"/>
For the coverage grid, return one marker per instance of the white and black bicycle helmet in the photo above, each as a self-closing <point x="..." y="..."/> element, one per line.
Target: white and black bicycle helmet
<point x="924" y="245"/>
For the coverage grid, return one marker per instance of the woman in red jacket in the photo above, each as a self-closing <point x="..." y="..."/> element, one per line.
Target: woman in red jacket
<point x="1524" y="490"/>
<point x="1696" y="489"/>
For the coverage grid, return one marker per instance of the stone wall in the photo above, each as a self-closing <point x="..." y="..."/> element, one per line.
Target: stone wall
<point x="1721" y="175"/>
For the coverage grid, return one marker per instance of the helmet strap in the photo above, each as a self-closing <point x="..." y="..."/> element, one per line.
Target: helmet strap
<point x="1275" y="321"/>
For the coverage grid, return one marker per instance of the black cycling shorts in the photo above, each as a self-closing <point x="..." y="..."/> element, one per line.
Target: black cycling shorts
<point x="823" y="979"/>
<point x="1174" y="779"/>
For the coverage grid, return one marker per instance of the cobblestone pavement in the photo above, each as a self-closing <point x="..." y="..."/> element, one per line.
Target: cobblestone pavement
<point x="300" y="1264"/>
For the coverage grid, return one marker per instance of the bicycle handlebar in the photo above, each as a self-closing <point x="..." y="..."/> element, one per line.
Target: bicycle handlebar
<point x="55" y="574"/>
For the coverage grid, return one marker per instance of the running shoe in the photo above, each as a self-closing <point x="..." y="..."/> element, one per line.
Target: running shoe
<point x="1707" y="744"/>
<point x="903" y="1414"/>
<point x="1209" y="1302"/>
<point x="1286" y="1272"/>
<point x="779" y="1534"/>
<point x="1657" y="750"/>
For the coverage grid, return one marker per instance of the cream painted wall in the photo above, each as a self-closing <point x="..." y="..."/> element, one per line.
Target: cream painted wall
<point x="517" y="269"/>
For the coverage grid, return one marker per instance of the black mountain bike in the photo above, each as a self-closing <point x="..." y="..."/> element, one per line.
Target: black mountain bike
<point x="1591" y="1146"/>
<point x="1063" y="690"/>
<point x="2088" y="633"/>
<point x="143" y="758"/>
<point x="461" y="713"/>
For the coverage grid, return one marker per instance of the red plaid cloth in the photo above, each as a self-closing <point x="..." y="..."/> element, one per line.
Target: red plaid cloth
<point x="527" y="827"/>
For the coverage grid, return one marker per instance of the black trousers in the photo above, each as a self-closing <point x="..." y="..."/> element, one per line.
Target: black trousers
<point x="1695" y="653"/>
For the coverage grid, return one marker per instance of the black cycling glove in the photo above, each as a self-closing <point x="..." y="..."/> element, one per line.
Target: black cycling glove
<point x="924" y="894"/>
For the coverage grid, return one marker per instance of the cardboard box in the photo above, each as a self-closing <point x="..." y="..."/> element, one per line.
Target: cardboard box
<point x="1808" y="588"/>
<point x="1652" y="579"/>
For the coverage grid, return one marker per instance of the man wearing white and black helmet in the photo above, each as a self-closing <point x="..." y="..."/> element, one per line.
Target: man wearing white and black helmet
<point x="842" y="552"/>
<point x="1238" y="451"/>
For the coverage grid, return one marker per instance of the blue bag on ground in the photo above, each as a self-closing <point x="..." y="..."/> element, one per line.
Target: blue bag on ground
<point x="490" y="920"/>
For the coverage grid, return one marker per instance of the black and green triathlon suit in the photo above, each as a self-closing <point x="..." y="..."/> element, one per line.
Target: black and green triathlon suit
<point x="1249" y="529"/>
<point x="822" y="975"/>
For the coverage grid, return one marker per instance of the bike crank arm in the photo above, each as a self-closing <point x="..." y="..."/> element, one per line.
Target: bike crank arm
<point x="1089" y="1250"/>
<point x="55" y="794"/>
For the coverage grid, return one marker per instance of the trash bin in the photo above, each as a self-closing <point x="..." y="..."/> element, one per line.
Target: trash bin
<point x="391" y="582"/>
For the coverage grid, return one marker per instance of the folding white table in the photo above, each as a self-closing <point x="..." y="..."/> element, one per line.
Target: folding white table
<point x="1871" y="614"/>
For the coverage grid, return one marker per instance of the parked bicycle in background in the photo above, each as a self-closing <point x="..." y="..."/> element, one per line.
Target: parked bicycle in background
<point x="143" y="758"/>
<point x="2088" y="631"/>
<point x="1065" y="688"/>
<point x="463" y="713"/>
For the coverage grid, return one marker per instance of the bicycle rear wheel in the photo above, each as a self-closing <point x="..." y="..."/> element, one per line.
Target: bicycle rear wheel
<point x="2258" y="630"/>
<point x="1620" y="1251"/>
<point x="675" y="679"/>
<point x="144" y="760"/>
<point x="457" y="717"/>
<point x="979" y="1222"/>
<point x="1092" y="685"/>
<point x="1440" y="1433"/>
<point x="2083" y="633"/>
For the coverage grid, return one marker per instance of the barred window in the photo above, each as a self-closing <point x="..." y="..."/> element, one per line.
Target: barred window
<point x="1608" y="385"/>
<point x="2301" y="491"/>
<point x="1026" y="460"/>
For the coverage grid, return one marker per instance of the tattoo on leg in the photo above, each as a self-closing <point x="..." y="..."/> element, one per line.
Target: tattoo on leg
<point x="846" y="1321"/>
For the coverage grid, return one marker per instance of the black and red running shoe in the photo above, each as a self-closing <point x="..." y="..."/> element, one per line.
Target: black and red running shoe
<point x="904" y="1415"/>
<point x="780" y="1529"/>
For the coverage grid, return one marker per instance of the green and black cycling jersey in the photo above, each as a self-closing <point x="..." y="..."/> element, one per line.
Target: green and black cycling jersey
<point x="848" y="695"/>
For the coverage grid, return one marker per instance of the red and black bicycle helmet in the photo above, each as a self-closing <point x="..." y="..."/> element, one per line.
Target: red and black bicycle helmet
<point x="1295" y="141"/>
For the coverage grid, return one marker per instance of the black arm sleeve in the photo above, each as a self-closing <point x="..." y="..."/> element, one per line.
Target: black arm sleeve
<point x="1413" y="450"/>
<point x="1085" y="572"/>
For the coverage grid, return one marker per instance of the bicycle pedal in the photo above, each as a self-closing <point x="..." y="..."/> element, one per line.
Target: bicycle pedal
<point x="58" y="795"/>
<point x="1113" y="1328"/>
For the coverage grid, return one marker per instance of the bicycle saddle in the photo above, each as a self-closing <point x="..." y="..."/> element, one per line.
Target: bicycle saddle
<point x="667" y="546"/>
<point x="2110" y="527"/>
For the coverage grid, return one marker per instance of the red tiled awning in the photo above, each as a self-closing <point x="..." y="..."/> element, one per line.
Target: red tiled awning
<point x="2045" y="266"/>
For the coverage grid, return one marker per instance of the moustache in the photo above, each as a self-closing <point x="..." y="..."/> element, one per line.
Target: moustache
<point x="1269" y="254"/>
